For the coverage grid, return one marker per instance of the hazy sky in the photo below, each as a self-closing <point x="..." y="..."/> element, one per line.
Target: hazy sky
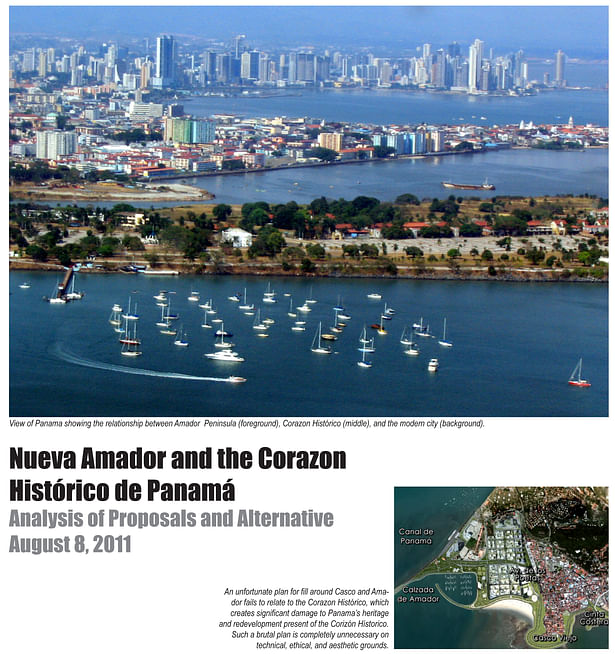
<point x="579" y="31"/>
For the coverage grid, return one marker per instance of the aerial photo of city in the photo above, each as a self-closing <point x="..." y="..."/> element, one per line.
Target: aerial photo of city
<point x="537" y="557"/>
<point x="206" y="202"/>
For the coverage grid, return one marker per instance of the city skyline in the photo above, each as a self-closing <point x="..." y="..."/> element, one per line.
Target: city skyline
<point x="396" y="27"/>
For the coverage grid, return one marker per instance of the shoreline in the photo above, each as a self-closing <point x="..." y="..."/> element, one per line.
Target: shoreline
<point x="537" y="276"/>
<point x="93" y="193"/>
<point x="518" y="607"/>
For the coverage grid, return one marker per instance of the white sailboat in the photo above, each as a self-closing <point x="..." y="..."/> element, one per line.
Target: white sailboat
<point x="291" y="313"/>
<point x="269" y="295"/>
<point x="363" y="363"/>
<point x="245" y="306"/>
<point x="129" y="315"/>
<point x="258" y="325"/>
<point x="404" y="340"/>
<point x="317" y="345"/>
<point x="298" y="326"/>
<point x="337" y="327"/>
<point x="311" y="299"/>
<point x="220" y="333"/>
<point x="205" y="324"/>
<point x="72" y="294"/>
<point x="412" y="350"/>
<point x="115" y="318"/>
<point x="366" y="344"/>
<point x="181" y="341"/>
<point x="422" y="330"/>
<point x="163" y="322"/>
<point x="194" y="296"/>
<point x="444" y="342"/>
<point x="363" y="338"/>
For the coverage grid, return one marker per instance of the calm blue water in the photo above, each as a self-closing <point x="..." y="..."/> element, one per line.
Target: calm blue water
<point x="442" y="509"/>
<point x="513" y="172"/>
<point x="514" y="348"/>
<point x="384" y="107"/>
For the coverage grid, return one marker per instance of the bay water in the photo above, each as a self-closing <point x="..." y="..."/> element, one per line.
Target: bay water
<point x="514" y="347"/>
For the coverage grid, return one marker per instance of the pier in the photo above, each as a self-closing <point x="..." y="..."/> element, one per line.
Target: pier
<point x="61" y="293"/>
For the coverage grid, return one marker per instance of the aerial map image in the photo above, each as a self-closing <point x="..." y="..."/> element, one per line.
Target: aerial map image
<point x="511" y="567"/>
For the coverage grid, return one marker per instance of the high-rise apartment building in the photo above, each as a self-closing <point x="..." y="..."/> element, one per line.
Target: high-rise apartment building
<point x="331" y="140"/>
<point x="249" y="65"/>
<point x="53" y="144"/>
<point x="189" y="130"/>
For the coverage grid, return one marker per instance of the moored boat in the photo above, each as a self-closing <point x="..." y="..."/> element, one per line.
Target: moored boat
<point x="485" y="186"/>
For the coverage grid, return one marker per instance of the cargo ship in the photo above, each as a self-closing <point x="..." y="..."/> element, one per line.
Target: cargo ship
<point x="470" y="187"/>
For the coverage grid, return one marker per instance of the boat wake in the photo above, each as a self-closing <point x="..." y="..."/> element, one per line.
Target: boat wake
<point x="88" y="363"/>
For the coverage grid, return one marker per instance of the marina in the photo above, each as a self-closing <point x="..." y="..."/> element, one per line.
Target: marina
<point x="506" y="361"/>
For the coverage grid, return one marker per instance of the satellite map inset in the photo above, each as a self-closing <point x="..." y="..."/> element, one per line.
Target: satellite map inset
<point x="522" y="567"/>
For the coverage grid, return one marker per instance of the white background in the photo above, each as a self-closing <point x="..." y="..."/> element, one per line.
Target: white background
<point x="167" y="595"/>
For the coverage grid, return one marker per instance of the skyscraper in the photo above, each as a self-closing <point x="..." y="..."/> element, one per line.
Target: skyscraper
<point x="165" y="62"/>
<point x="560" y="61"/>
<point x="475" y="60"/>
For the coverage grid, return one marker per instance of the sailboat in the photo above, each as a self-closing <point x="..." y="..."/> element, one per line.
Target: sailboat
<point x="575" y="377"/>
<point x="412" y="350"/>
<point x="128" y="315"/>
<point x="291" y="313"/>
<point x="380" y="328"/>
<point x="115" y="318"/>
<point x="366" y="344"/>
<point x="130" y="342"/>
<point x="298" y="326"/>
<point x="194" y="296"/>
<point x="205" y="324"/>
<point x="444" y="342"/>
<point x="311" y="299"/>
<point x="269" y="295"/>
<point x="388" y="313"/>
<point x="163" y="322"/>
<point x="72" y="294"/>
<point x="422" y="330"/>
<point x="169" y="315"/>
<point x="181" y="341"/>
<point x="404" y="340"/>
<point x="167" y="330"/>
<point x="317" y="345"/>
<point x="363" y="363"/>
<point x="337" y="327"/>
<point x="129" y="337"/>
<point x="245" y="306"/>
<point x="258" y="324"/>
<point x="222" y="343"/>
